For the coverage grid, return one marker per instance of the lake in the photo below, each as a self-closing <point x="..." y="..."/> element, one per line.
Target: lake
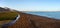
<point x="55" y="15"/>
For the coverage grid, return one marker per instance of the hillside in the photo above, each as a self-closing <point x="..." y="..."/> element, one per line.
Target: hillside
<point x="34" y="21"/>
<point x="8" y="15"/>
<point x="29" y="20"/>
<point x="3" y="9"/>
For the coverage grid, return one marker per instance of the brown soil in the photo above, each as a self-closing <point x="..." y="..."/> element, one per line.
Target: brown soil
<point x="34" y="21"/>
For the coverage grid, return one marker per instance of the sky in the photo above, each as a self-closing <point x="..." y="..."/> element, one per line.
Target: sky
<point x="31" y="5"/>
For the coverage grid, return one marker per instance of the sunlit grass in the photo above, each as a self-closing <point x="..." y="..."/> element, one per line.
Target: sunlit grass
<point x="8" y="15"/>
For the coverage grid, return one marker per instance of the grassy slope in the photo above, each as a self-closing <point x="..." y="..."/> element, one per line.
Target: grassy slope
<point x="7" y="15"/>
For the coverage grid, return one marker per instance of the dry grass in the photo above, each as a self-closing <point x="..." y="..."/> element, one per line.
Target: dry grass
<point x="7" y="15"/>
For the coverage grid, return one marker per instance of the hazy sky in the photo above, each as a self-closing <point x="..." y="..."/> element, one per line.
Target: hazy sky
<point x="32" y="5"/>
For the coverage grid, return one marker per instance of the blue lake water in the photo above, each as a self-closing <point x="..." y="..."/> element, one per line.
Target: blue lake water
<point x="55" y="15"/>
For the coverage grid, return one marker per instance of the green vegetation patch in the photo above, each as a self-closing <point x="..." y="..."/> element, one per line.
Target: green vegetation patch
<point x="8" y="15"/>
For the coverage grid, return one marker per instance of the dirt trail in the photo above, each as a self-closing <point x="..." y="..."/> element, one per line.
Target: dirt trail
<point x="34" y="21"/>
